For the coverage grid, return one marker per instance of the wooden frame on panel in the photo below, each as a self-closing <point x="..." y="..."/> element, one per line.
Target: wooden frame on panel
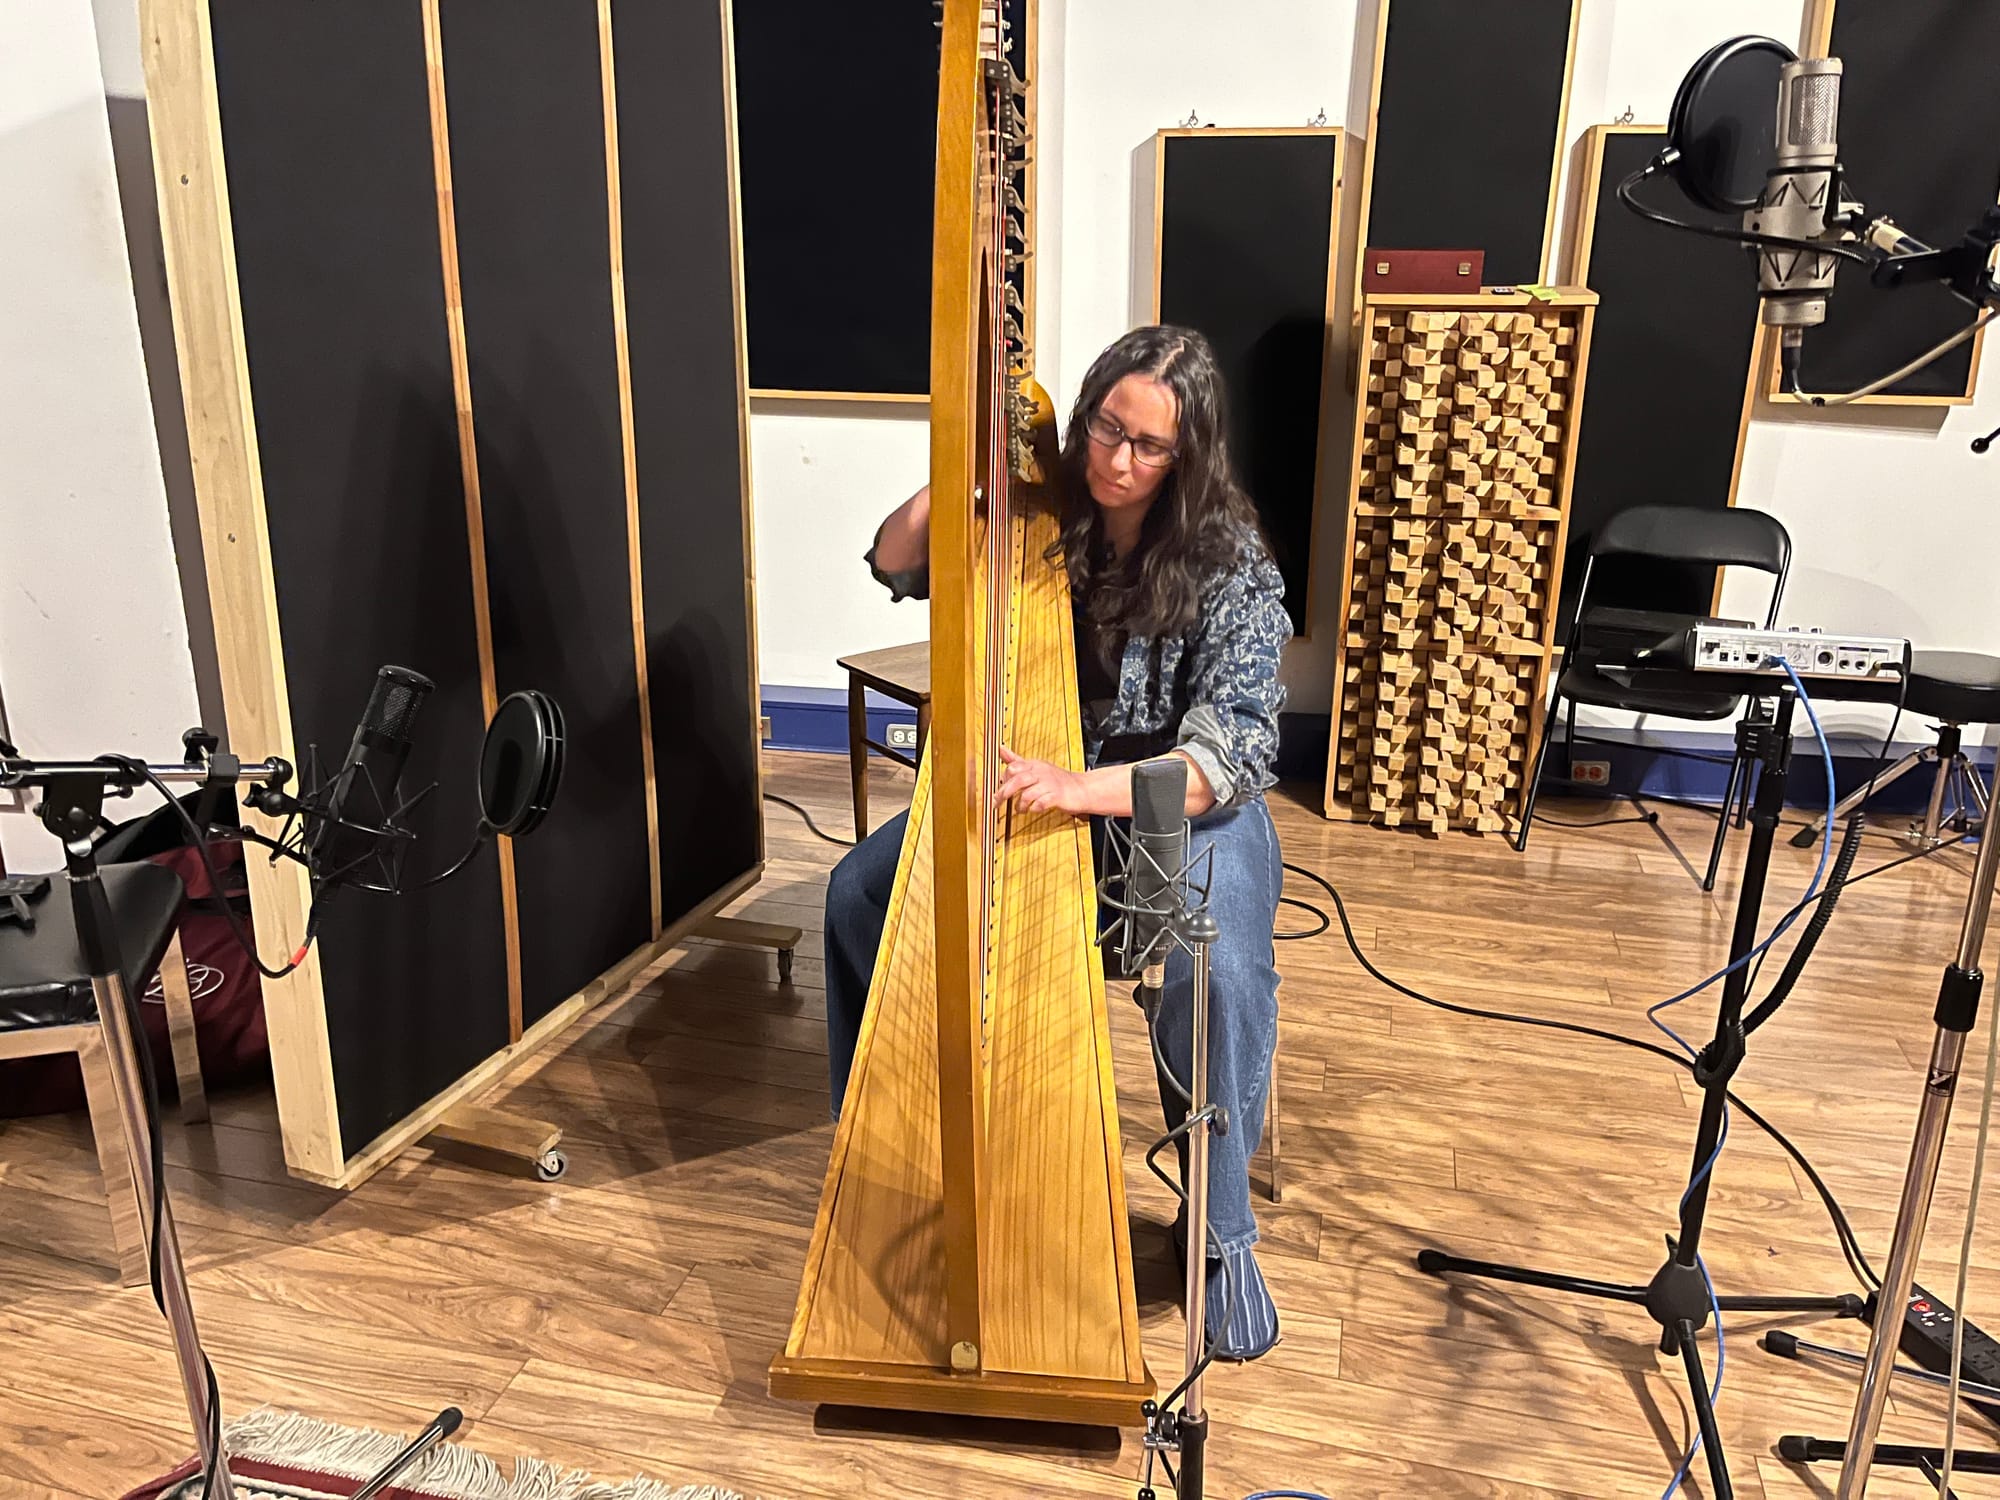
<point x="1816" y="41"/>
<point x="1329" y="378"/>
<point x="1032" y="12"/>
<point x="1576" y="268"/>
<point x="1373" y="133"/>
<point x="200" y="249"/>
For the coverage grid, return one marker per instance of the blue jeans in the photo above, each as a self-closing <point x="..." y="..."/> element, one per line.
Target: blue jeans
<point x="1243" y="987"/>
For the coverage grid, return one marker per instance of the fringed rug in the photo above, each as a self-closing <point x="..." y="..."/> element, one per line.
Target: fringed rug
<point x="278" y="1455"/>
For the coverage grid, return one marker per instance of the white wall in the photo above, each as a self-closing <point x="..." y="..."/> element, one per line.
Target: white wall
<point x="1890" y="513"/>
<point x="1882" y="504"/>
<point x="93" y="642"/>
<point x="825" y="473"/>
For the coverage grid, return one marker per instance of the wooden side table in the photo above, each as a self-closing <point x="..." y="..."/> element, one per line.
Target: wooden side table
<point x="899" y="672"/>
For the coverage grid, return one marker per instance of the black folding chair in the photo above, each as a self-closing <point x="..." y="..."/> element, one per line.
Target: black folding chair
<point x="1668" y="534"/>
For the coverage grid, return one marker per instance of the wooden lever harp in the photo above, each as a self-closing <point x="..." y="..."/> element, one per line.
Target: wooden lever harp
<point x="972" y="1252"/>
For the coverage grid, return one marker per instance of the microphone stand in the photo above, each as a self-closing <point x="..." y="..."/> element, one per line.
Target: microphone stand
<point x="72" y="808"/>
<point x="1957" y="1009"/>
<point x="1677" y="1297"/>
<point x="1178" y="900"/>
<point x="1187" y="1430"/>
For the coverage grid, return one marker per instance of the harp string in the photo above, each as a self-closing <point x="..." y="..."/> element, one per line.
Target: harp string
<point x="999" y="529"/>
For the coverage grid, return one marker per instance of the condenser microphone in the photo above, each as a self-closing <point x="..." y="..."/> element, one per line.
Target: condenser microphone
<point x="1801" y="197"/>
<point x="362" y="798"/>
<point x="1159" y="850"/>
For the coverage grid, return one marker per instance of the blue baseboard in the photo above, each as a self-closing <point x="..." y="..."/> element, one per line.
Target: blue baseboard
<point x="806" y="718"/>
<point x="1642" y="768"/>
<point x="816" y="719"/>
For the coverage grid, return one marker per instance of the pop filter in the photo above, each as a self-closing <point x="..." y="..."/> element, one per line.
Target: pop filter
<point x="521" y="763"/>
<point x="1721" y="138"/>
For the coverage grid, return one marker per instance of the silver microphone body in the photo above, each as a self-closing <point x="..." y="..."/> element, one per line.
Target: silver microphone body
<point x="1799" y="200"/>
<point x="1159" y="850"/>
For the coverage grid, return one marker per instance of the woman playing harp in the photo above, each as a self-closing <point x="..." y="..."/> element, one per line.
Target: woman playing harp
<point x="1179" y="620"/>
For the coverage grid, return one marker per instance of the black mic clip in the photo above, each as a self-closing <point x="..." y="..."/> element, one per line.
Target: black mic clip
<point x="370" y="847"/>
<point x="1146" y="931"/>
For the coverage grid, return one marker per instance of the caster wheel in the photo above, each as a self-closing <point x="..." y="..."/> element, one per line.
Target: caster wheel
<point x="784" y="966"/>
<point x="548" y="1168"/>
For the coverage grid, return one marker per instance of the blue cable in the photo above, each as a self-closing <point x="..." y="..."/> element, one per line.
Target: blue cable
<point x="1652" y="1014"/>
<point x="1714" y="1306"/>
<point x="1715" y="1386"/>
<point x="1819" y="875"/>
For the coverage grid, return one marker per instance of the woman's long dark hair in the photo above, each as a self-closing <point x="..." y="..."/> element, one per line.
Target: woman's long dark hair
<point x="1200" y="519"/>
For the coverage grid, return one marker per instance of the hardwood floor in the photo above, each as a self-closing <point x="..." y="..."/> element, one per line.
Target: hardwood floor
<point x="621" y="1319"/>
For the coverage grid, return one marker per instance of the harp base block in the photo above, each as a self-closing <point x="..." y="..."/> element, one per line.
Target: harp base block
<point x="1080" y="1400"/>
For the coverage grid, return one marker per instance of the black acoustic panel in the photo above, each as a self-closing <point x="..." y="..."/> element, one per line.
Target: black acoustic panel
<point x="681" y="312"/>
<point x="1920" y="142"/>
<point x="326" y="130"/>
<point x="1245" y="225"/>
<point x="524" y="87"/>
<point x="1669" y="362"/>
<point x="1465" y="134"/>
<point x="837" y="141"/>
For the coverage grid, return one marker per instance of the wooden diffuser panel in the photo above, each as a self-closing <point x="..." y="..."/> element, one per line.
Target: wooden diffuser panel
<point x="1464" y="445"/>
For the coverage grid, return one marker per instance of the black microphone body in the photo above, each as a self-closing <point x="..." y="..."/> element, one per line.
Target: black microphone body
<point x="1159" y="850"/>
<point x="362" y="798"/>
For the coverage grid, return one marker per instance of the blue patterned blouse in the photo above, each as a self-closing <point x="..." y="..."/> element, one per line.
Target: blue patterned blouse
<point x="1211" y="692"/>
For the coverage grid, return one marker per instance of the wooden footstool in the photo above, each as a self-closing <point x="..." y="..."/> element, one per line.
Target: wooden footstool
<point x="899" y="672"/>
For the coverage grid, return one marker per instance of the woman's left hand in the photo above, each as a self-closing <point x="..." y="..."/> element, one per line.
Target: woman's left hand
<point x="1036" y="785"/>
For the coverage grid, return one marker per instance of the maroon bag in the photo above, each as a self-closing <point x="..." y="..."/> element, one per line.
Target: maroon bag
<point x="227" y="990"/>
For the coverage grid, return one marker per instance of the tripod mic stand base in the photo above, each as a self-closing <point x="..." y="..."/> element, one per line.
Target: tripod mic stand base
<point x="1439" y="1263"/>
<point x="1666" y="1306"/>
<point x="1676" y="1298"/>
<point x="1794" y="1448"/>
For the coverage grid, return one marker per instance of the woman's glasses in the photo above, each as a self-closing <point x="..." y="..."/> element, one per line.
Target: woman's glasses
<point x="1151" y="452"/>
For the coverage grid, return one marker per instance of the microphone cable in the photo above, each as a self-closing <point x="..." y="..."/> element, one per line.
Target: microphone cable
<point x="156" y="1155"/>
<point x="1850" y="1245"/>
<point x="1746" y="237"/>
<point x="816" y="830"/>
<point x="1929" y="357"/>
<point x="1822" y="899"/>
<point x="199" y="839"/>
<point x="1849" y="1242"/>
